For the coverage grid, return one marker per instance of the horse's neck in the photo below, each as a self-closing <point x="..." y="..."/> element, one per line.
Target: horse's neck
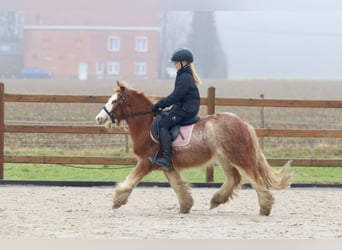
<point x="139" y="126"/>
<point x="139" y="129"/>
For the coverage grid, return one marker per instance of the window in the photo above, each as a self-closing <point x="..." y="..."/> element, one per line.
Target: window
<point x="78" y="43"/>
<point x="45" y="44"/>
<point x="39" y="20"/>
<point x="113" y="68"/>
<point x="100" y="68"/>
<point x="141" y="44"/>
<point x="141" y="68"/>
<point x="113" y="43"/>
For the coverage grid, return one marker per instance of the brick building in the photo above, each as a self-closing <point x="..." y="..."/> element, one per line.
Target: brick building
<point x="90" y="39"/>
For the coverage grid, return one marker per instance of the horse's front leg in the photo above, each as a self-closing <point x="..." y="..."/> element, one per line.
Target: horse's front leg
<point x="124" y="189"/>
<point x="182" y="190"/>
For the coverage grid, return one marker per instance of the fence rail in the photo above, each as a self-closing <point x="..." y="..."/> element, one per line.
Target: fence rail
<point x="133" y="161"/>
<point x="250" y="102"/>
<point x="68" y="129"/>
<point x="211" y="102"/>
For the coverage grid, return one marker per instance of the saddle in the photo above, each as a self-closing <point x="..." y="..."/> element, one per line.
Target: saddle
<point x="175" y="131"/>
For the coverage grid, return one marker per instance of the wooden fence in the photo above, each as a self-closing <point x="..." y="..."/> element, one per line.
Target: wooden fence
<point x="211" y="102"/>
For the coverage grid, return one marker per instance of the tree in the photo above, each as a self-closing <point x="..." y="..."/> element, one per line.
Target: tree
<point x="175" y="26"/>
<point x="209" y="56"/>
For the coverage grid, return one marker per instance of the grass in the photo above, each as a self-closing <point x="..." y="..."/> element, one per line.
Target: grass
<point x="325" y="175"/>
<point x="54" y="172"/>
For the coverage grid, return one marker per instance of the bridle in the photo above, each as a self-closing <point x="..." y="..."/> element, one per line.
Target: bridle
<point x="123" y="98"/>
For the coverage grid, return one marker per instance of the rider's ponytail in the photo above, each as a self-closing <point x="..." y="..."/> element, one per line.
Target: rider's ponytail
<point x="194" y="74"/>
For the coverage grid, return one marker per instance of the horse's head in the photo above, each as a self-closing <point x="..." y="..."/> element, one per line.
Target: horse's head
<point x="124" y="103"/>
<point x="112" y="111"/>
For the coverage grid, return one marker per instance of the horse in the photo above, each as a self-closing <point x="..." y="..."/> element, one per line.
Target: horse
<point x="222" y="138"/>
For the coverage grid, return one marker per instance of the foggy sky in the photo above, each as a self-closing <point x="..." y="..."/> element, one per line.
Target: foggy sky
<point x="282" y="44"/>
<point x="265" y="38"/>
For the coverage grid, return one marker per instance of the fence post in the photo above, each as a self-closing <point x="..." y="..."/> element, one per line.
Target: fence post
<point x="2" y="128"/>
<point x="211" y="110"/>
<point x="262" y="125"/>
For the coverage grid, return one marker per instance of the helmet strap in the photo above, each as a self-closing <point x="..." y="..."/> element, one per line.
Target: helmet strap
<point x="183" y="66"/>
<point x="181" y="63"/>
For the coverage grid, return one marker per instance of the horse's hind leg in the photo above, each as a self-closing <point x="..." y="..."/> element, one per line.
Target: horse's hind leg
<point x="265" y="197"/>
<point x="226" y="191"/>
<point x="124" y="189"/>
<point x="182" y="190"/>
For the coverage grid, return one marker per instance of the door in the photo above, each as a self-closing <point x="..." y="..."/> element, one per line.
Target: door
<point x="83" y="71"/>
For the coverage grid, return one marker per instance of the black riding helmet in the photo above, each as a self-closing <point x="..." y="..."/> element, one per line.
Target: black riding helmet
<point x="182" y="55"/>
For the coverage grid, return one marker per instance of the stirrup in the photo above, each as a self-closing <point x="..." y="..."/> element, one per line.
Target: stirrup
<point x="159" y="162"/>
<point x="154" y="158"/>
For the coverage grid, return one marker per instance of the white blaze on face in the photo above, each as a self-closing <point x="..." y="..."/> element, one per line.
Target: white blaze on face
<point x="103" y="117"/>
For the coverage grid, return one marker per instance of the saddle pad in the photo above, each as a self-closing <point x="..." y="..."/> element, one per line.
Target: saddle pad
<point x="186" y="131"/>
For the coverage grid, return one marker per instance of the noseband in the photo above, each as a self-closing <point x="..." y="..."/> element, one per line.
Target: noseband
<point x="123" y="97"/>
<point x="111" y="115"/>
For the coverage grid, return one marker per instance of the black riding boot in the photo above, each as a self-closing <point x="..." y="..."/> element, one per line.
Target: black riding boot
<point x="165" y="142"/>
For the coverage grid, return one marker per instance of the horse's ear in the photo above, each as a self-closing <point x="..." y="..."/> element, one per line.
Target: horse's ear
<point x="121" y="85"/>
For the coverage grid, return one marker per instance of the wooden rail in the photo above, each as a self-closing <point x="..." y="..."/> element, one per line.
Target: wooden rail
<point x="133" y="161"/>
<point x="278" y="103"/>
<point x="67" y="129"/>
<point x="211" y="102"/>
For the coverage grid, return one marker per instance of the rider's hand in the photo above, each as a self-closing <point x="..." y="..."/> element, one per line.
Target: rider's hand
<point x="154" y="109"/>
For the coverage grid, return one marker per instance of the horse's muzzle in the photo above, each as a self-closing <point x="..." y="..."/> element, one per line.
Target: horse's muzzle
<point x="101" y="119"/>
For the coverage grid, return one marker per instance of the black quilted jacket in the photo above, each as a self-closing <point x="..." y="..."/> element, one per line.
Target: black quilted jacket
<point x="185" y="94"/>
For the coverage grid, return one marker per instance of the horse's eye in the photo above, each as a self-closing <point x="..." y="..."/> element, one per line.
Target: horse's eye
<point x="114" y="101"/>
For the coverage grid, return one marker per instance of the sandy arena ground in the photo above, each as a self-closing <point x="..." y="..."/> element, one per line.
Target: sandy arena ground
<point x="152" y="213"/>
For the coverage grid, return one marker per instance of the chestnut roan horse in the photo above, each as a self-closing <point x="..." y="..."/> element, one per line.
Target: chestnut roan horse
<point x="222" y="137"/>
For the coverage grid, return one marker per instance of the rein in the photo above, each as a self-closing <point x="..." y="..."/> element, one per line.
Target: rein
<point x="121" y="103"/>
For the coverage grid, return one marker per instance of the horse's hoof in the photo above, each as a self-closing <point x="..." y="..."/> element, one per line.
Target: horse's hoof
<point x="116" y="206"/>
<point x="213" y="205"/>
<point x="264" y="212"/>
<point x="118" y="202"/>
<point x="184" y="210"/>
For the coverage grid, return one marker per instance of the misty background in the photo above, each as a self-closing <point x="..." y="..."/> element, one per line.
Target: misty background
<point x="282" y="44"/>
<point x="273" y="44"/>
<point x="245" y="43"/>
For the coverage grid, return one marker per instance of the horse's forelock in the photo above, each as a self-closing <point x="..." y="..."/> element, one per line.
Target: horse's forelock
<point x="121" y="84"/>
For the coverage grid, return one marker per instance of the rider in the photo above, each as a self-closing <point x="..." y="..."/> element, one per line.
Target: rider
<point x="185" y="99"/>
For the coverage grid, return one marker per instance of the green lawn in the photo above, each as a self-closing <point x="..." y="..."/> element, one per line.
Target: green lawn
<point x="118" y="173"/>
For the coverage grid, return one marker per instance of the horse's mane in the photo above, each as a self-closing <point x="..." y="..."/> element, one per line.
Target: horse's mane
<point x="135" y="91"/>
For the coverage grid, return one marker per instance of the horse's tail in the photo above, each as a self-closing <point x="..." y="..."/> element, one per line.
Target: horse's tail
<point x="278" y="179"/>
